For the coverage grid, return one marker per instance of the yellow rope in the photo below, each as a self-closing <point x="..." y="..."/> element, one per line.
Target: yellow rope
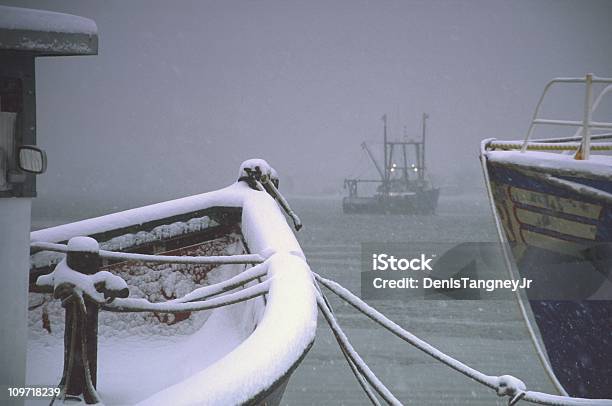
<point x="548" y="147"/>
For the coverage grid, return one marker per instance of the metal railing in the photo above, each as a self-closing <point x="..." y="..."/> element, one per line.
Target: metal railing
<point x="586" y="124"/>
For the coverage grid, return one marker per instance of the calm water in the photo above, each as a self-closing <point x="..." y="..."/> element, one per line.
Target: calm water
<point x="488" y="335"/>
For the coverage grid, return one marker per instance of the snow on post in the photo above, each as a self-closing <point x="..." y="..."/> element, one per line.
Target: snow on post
<point x="77" y="281"/>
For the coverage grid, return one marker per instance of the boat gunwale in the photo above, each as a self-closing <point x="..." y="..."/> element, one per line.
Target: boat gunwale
<point x="572" y="172"/>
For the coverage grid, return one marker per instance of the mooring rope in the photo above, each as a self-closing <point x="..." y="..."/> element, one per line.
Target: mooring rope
<point x="345" y="344"/>
<point x="505" y="385"/>
<point x="365" y="386"/>
<point x="297" y="223"/>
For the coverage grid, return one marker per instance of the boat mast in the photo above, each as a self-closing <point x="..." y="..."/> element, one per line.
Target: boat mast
<point x="405" y="171"/>
<point x="422" y="168"/>
<point x="386" y="177"/>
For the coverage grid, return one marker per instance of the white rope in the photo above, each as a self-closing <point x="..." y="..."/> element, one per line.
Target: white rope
<point x="143" y="305"/>
<point x="196" y="260"/>
<point x="241" y="279"/>
<point x="365" y="386"/>
<point x="297" y="223"/>
<point x="160" y="259"/>
<point x="344" y="343"/>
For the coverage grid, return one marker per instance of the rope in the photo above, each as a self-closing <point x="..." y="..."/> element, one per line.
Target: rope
<point x="168" y="259"/>
<point x="543" y="146"/>
<point x="505" y="385"/>
<point x="345" y="344"/>
<point x="360" y="378"/>
<point x="255" y="272"/>
<point x="143" y="305"/>
<point x="160" y="259"/>
<point x="297" y="223"/>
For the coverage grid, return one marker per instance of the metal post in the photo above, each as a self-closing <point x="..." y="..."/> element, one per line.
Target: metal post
<point x="422" y="168"/>
<point x="74" y="379"/>
<point x="405" y="162"/>
<point x="585" y="148"/>
<point x="386" y="160"/>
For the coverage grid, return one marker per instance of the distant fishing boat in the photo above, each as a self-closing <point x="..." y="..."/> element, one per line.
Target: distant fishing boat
<point x="153" y="348"/>
<point x="402" y="188"/>
<point x="552" y="204"/>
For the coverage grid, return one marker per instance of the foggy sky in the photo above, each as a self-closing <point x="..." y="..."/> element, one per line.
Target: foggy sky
<point x="182" y="92"/>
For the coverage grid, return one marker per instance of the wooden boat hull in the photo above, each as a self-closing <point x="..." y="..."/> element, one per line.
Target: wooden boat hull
<point x="560" y="238"/>
<point x="425" y="202"/>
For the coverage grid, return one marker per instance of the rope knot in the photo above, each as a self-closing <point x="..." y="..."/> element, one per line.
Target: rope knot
<point x="508" y="385"/>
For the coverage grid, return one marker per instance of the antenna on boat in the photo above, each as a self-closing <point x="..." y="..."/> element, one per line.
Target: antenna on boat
<point x="386" y="160"/>
<point x="422" y="170"/>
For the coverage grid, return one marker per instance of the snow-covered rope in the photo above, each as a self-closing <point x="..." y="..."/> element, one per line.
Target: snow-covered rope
<point x="365" y="386"/>
<point x="160" y="259"/>
<point x="143" y="305"/>
<point x="361" y="379"/>
<point x="255" y="272"/>
<point x="345" y="344"/>
<point x="195" y="260"/>
<point x="505" y="385"/>
<point x="297" y="223"/>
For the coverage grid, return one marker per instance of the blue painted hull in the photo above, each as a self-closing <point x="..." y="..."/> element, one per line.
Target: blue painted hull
<point x="561" y="238"/>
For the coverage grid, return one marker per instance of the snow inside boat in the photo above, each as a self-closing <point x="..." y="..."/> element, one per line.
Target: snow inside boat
<point x="243" y="353"/>
<point x="552" y="202"/>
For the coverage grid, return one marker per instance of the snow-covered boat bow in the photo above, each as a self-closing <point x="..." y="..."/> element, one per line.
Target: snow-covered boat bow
<point x="257" y="369"/>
